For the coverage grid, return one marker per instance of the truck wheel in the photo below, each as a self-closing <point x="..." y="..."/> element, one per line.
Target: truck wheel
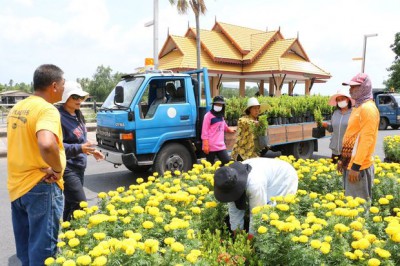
<point x="173" y="157"/>
<point x="383" y="123"/>
<point x="395" y="126"/>
<point x="138" y="169"/>
<point x="303" y="149"/>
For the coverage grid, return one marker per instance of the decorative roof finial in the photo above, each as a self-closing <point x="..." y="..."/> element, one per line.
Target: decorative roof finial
<point x="298" y="35"/>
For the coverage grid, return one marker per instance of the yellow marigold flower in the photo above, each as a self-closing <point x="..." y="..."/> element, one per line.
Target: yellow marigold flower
<point x="65" y="224"/>
<point x="151" y="246"/>
<point x="374" y="210"/>
<point x="159" y="219"/>
<point x="73" y="242"/>
<point x="130" y="250"/>
<point x="382" y="253"/>
<point x="139" y="180"/>
<point x="377" y="219"/>
<point x="60" y="260"/>
<point x="102" y="195"/>
<point x="395" y="237"/>
<point x="295" y="238"/>
<point x="282" y="207"/>
<point x="315" y="243"/>
<point x="99" y="236"/>
<point x="100" y="261"/>
<point x="69" y="263"/>
<point x="389" y="197"/>
<point x="303" y="239"/>
<point x="70" y="234"/>
<point x="350" y="255"/>
<point x="307" y="232"/>
<point x="137" y="209"/>
<point x="330" y="197"/>
<point x="169" y="240"/>
<point x="313" y="195"/>
<point x="81" y="231"/>
<point x="377" y="181"/>
<point x="265" y="217"/>
<point x="357" y="235"/>
<point x="328" y="239"/>
<point x="256" y="210"/>
<point x="383" y="201"/>
<point x="274" y="216"/>
<point x="83" y="204"/>
<point x="84" y="260"/>
<point x="61" y="244"/>
<point x="49" y="261"/>
<point x="358" y="253"/>
<point x="177" y="172"/>
<point x="325" y="248"/>
<point x="211" y="204"/>
<point x="374" y="262"/>
<point x="148" y="225"/>
<point x="192" y="258"/>
<point x="177" y="247"/>
<point x="356" y="225"/>
<point x="195" y="210"/>
<point x="262" y="230"/>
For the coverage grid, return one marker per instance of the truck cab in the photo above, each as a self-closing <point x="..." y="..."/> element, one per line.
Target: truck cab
<point x="388" y="105"/>
<point x="154" y="119"/>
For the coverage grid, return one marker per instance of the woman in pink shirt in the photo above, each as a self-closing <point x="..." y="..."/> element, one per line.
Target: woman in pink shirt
<point x="213" y="132"/>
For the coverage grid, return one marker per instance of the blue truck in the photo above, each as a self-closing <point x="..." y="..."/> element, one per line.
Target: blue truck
<point x="388" y="106"/>
<point x="154" y="119"/>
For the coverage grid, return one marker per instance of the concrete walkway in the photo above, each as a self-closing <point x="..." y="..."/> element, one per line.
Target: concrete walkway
<point x="91" y="127"/>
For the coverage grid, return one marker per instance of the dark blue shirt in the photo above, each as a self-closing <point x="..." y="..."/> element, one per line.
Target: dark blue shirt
<point x="74" y="134"/>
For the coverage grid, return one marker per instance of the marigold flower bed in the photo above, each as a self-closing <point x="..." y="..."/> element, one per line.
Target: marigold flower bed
<point x="175" y="220"/>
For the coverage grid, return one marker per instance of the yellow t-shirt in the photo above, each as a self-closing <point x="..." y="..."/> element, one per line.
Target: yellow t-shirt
<point x="25" y="119"/>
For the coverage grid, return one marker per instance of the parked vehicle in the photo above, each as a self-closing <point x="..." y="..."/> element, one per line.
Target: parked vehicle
<point x="388" y="106"/>
<point x="154" y="118"/>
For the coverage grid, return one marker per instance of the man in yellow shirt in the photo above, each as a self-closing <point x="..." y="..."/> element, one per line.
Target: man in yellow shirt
<point x="36" y="161"/>
<point x="359" y="141"/>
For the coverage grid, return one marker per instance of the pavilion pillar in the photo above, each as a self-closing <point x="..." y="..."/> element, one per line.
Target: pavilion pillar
<point x="290" y="88"/>
<point x="242" y="88"/>
<point x="278" y="91"/>
<point x="261" y="88"/>
<point x="271" y="87"/>
<point x="307" y="84"/>
<point x="214" y="86"/>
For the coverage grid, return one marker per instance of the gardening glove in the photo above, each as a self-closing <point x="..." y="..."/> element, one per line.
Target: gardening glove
<point x="325" y="124"/>
<point x="206" y="148"/>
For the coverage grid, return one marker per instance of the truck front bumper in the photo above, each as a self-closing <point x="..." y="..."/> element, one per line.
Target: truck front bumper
<point x="118" y="158"/>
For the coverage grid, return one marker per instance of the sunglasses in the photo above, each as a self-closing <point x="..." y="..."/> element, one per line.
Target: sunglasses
<point x="76" y="97"/>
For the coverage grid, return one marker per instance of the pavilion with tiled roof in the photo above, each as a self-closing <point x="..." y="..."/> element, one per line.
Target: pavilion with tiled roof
<point x="235" y="53"/>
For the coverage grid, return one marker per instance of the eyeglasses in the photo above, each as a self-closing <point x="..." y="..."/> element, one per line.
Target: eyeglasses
<point x="76" y="97"/>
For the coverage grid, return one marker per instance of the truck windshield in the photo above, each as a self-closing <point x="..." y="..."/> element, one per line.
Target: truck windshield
<point x="130" y="88"/>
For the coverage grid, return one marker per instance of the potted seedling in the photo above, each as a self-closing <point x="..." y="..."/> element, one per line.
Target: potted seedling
<point x="319" y="131"/>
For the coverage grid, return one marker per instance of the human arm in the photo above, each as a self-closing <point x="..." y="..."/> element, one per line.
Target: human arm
<point x="50" y="153"/>
<point x="205" y="133"/>
<point x="236" y="217"/>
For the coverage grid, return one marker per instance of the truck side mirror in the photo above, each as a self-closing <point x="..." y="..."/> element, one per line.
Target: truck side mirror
<point x="119" y="95"/>
<point x="394" y="105"/>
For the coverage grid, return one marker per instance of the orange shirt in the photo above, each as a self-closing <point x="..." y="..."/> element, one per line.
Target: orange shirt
<point x="25" y="119"/>
<point x="362" y="132"/>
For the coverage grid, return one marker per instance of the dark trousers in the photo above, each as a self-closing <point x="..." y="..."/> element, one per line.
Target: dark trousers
<point x="222" y="156"/>
<point x="73" y="192"/>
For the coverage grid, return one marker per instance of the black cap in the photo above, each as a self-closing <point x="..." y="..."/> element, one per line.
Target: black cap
<point x="219" y="99"/>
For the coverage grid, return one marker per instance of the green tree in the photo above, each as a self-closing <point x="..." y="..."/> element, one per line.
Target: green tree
<point x="198" y="7"/>
<point x="394" y="69"/>
<point x="103" y="82"/>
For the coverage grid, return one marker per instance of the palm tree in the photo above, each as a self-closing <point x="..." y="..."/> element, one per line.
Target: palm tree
<point x="198" y="7"/>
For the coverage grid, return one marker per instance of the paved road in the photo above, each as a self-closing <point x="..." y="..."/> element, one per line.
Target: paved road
<point x="102" y="176"/>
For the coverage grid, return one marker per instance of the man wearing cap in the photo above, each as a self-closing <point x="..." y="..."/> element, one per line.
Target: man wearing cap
<point x="356" y="162"/>
<point x="254" y="180"/>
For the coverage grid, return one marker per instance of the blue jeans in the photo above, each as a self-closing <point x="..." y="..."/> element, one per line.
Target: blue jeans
<point x="36" y="223"/>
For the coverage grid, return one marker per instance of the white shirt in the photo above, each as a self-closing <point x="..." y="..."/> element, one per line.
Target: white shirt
<point x="267" y="178"/>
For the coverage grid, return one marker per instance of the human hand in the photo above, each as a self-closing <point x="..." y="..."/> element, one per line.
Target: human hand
<point x="206" y="147"/>
<point x="50" y="176"/>
<point x="325" y="124"/>
<point x="231" y="130"/>
<point x="340" y="166"/>
<point x="98" y="155"/>
<point x="354" y="176"/>
<point x="88" y="147"/>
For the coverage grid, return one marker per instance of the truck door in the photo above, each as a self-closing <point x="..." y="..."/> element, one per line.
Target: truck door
<point x="387" y="110"/>
<point x="163" y="113"/>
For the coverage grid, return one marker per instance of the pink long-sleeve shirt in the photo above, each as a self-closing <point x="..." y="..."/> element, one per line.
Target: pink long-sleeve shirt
<point x="214" y="130"/>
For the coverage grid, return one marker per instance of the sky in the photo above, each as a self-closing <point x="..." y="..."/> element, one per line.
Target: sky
<point x="80" y="35"/>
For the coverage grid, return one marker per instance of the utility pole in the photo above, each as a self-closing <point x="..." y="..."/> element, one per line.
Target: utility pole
<point x="154" y="23"/>
<point x="365" y="49"/>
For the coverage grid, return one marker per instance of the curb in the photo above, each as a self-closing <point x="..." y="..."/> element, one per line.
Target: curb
<point x="3" y="134"/>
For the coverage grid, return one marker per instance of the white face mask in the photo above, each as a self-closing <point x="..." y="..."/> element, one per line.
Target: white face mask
<point x="342" y="104"/>
<point x="217" y="108"/>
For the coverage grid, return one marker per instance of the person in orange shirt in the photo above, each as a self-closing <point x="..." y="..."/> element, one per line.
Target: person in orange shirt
<point x="356" y="161"/>
<point x="36" y="162"/>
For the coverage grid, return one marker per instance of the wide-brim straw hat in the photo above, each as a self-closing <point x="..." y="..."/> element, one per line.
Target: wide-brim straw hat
<point x="341" y="92"/>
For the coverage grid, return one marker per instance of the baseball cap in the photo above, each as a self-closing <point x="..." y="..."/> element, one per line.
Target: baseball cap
<point x="357" y="80"/>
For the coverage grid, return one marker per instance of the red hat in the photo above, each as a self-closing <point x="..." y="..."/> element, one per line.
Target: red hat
<point x="357" y="80"/>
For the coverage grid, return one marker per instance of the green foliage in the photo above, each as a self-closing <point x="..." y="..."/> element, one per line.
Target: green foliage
<point x="261" y="127"/>
<point x="103" y="82"/>
<point x="394" y="69"/>
<point x="318" y="117"/>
